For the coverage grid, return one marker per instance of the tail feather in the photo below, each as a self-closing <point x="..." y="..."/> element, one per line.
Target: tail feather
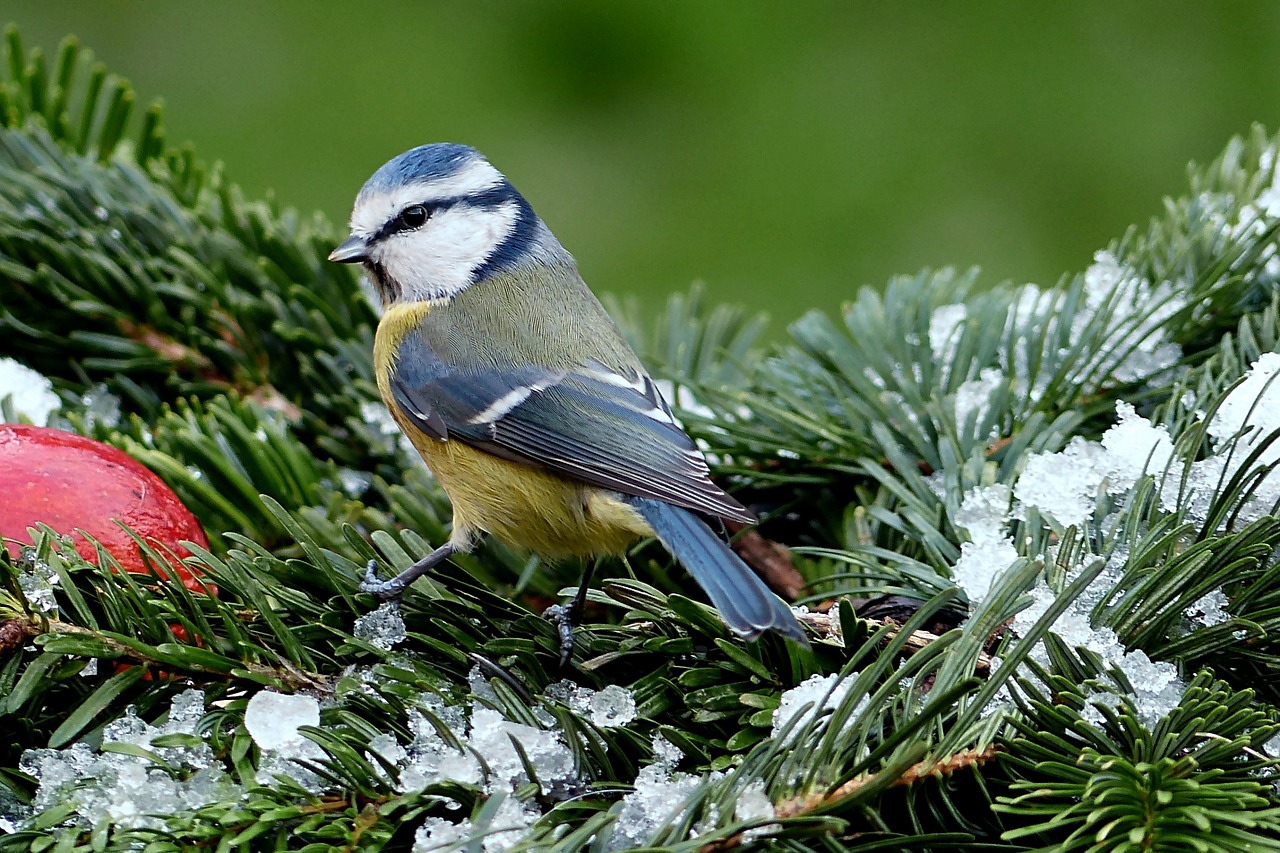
<point x="745" y="603"/>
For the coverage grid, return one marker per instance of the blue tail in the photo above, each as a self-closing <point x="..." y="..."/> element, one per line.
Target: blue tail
<point x="745" y="603"/>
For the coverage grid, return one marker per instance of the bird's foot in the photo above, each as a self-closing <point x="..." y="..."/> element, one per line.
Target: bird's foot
<point x="383" y="590"/>
<point x="393" y="589"/>
<point x="566" y="615"/>
<point x="563" y="616"/>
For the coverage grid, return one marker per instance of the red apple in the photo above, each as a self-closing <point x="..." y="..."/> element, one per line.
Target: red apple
<point x="73" y="483"/>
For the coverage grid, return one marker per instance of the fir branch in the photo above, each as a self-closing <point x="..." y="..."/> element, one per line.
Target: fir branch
<point x="930" y="768"/>
<point x="240" y="364"/>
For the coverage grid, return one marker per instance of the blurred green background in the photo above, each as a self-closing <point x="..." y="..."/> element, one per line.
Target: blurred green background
<point x="784" y="153"/>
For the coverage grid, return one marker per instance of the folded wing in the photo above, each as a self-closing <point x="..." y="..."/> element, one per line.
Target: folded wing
<point x="590" y="423"/>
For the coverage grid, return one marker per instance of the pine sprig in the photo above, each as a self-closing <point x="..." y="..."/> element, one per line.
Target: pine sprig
<point x="240" y="364"/>
<point x="155" y="277"/>
<point x="1146" y="789"/>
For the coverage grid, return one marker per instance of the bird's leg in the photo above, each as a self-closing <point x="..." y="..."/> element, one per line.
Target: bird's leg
<point x="566" y="616"/>
<point x="393" y="589"/>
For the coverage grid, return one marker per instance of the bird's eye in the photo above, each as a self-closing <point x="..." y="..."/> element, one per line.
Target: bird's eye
<point x="413" y="216"/>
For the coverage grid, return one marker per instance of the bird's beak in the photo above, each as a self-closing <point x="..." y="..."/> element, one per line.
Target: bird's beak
<point x="352" y="251"/>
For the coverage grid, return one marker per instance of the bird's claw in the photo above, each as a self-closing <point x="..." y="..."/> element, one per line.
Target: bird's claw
<point x="388" y="590"/>
<point x="563" y="617"/>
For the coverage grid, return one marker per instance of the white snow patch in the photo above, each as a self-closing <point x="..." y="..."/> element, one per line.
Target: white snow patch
<point x="1157" y="689"/>
<point x="984" y="513"/>
<point x="354" y="483"/>
<point x="429" y="757"/>
<point x="436" y="833"/>
<point x="385" y="747"/>
<point x="980" y="565"/>
<point x="1094" y="702"/>
<point x="665" y="752"/>
<point x="130" y="789"/>
<point x="383" y="627"/>
<point x="658" y="798"/>
<point x="822" y="693"/>
<point x="946" y="324"/>
<point x="1122" y="321"/>
<point x="613" y="706"/>
<point x="1066" y="485"/>
<point x="984" y="516"/>
<point x="492" y="735"/>
<point x="1252" y="406"/>
<point x="1135" y="448"/>
<point x="1209" y="609"/>
<point x="272" y="719"/>
<point x="100" y="406"/>
<point x="973" y="398"/>
<point x="38" y="584"/>
<point x="1240" y="426"/>
<point x="508" y="827"/>
<point x="754" y="804"/>
<point x="29" y="392"/>
<point x="610" y="707"/>
<point x="1138" y="315"/>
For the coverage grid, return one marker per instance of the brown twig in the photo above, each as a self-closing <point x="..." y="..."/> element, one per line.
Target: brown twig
<point x="17" y="631"/>
<point x="917" y="772"/>
<point x="799" y="806"/>
<point x="827" y="626"/>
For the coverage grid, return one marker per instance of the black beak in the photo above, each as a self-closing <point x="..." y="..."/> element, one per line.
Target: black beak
<point x="352" y="251"/>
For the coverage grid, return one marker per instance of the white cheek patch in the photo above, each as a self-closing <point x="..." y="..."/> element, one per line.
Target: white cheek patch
<point x="437" y="260"/>
<point x="371" y="212"/>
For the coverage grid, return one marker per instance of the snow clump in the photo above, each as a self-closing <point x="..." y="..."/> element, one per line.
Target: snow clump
<point x="821" y="693"/>
<point x="984" y="515"/>
<point x="272" y="720"/>
<point x="130" y="790"/>
<point x="1066" y="485"/>
<point x="29" y="393"/>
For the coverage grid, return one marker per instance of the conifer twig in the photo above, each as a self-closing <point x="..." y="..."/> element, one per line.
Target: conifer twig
<point x="917" y="772"/>
<point x="828" y="627"/>
<point x="16" y="631"/>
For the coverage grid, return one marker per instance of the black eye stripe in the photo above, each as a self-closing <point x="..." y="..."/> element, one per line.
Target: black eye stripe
<point x="489" y="198"/>
<point x="407" y="220"/>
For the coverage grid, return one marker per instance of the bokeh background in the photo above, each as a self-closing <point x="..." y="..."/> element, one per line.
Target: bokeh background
<point x="783" y="153"/>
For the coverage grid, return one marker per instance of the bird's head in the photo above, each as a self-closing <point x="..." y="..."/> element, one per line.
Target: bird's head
<point x="437" y="219"/>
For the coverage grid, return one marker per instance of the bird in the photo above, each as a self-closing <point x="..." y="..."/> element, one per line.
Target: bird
<point x="522" y="396"/>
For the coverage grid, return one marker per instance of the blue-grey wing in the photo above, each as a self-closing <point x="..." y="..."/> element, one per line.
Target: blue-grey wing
<point x="590" y="423"/>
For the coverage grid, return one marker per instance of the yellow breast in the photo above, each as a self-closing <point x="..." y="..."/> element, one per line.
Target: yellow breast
<point x="522" y="506"/>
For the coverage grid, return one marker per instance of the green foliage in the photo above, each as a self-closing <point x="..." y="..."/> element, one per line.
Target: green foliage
<point x="240" y="363"/>
<point x="1137" y="788"/>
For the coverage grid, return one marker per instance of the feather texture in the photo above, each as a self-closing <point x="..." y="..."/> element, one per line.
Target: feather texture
<point x="582" y="418"/>
<point x="745" y="603"/>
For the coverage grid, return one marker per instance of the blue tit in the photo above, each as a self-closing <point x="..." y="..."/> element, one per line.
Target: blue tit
<point x="529" y="407"/>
